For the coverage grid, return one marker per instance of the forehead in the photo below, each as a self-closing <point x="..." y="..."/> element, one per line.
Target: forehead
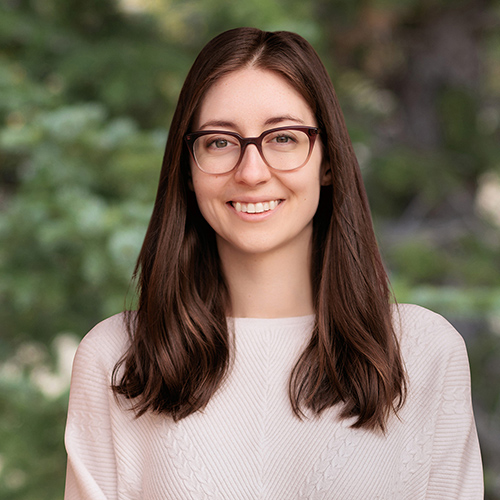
<point x="251" y="97"/>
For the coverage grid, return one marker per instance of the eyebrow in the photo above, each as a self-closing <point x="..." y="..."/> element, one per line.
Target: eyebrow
<point x="275" y="120"/>
<point x="285" y="118"/>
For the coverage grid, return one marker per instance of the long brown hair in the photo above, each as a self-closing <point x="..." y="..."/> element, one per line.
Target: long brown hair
<point x="180" y="345"/>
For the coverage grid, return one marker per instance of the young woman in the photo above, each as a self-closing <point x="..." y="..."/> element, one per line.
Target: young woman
<point x="265" y="360"/>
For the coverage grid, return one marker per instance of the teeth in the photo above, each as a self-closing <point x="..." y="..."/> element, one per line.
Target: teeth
<point x="255" y="208"/>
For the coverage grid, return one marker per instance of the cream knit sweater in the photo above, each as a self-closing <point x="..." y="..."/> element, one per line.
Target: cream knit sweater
<point x="247" y="444"/>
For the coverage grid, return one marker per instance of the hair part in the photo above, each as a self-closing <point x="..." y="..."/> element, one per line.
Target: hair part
<point x="180" y="347"/>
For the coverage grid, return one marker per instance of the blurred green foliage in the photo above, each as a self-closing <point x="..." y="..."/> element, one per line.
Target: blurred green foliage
<point x="87" y="89"/>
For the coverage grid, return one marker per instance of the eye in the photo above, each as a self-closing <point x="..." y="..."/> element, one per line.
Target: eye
<point x="218" y="143"/>
<point x="283" y="139"/>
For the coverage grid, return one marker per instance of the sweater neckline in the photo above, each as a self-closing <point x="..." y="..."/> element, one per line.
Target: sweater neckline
<point x="293" y="321"/>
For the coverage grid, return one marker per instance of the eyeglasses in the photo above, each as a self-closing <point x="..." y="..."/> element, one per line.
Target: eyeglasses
<point x="283" y="148"/>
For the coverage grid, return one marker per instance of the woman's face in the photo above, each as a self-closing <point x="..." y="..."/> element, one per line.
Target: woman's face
<point x="248" y="102"/>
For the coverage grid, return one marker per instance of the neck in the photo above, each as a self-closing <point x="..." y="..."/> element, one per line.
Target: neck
<point x="270" y="285"/>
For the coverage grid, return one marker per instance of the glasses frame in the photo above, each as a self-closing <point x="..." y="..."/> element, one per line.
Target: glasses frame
<point x="312" y="134"/>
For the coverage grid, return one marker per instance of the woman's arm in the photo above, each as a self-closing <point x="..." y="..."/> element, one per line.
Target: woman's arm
<point x="92" y="468"/>
<point x="456" y="469"/>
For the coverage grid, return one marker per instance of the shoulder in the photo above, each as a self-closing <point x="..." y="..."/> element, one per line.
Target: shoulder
<point x="417" y="324"/>
<point x="93" y="366"/>
<point x="427" y="339"/>
<point x="105" y="344"/>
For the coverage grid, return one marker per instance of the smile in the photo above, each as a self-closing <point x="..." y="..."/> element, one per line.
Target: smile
<point x="255" y="208"/>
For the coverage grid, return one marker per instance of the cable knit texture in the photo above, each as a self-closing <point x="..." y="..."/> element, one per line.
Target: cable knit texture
<point x="248" y="445"/>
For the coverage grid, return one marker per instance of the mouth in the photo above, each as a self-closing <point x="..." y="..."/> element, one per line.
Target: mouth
<point x="255" y="208"/>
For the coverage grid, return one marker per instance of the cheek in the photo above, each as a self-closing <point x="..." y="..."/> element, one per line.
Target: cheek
<point x="311" y="188"/>
<point x="311" y="198"/>
<point x="198" y="185"/>
<point x="205" y="195"/>
<point x="201" y="198"/>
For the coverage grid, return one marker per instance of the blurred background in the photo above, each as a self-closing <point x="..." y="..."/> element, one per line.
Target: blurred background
<point x="87" y="89"/>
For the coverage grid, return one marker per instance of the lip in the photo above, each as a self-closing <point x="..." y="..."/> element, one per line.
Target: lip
<point x="258" y="207"/>
<point x="254" y="199"/>
<point x="258" y="216"/>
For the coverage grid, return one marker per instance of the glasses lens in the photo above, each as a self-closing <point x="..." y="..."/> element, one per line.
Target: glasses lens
<point x="216" y="153"/>
<point x="286" y="149"/>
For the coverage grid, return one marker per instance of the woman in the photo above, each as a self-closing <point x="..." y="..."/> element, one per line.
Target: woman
<point x="265" y="359"/>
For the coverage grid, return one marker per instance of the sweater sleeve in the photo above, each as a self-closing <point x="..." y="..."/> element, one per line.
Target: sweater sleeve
<point x="91" y="468"/>
<point x="456" y="468"/>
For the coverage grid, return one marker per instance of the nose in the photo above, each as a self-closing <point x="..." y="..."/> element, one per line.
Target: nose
<point x="252" y="169"/>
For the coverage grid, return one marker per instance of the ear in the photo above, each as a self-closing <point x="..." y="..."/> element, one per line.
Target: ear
<point x="326" y="174"/>
<point x="190" y="182"/>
